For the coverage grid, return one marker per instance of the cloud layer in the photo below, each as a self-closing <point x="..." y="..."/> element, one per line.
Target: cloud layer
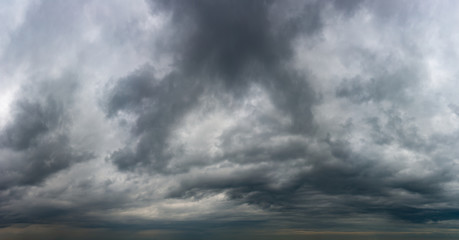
<point x="176" y="118"/>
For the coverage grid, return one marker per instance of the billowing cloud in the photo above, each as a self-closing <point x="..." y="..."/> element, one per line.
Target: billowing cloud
<point x="242" y="119"/>
<point x="35" y="143"/>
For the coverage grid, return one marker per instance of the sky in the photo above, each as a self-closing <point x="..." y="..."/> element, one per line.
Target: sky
<point x="218" y="119"/>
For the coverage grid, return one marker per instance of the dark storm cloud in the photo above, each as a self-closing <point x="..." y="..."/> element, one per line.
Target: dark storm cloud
<point x="35" y="142"/>
<point x="223" y="38"/>
<point x="227" y="46"/>
<point x="300" y="114"/>
<point x="157" y="105"/>
<point x="350" y="182"/>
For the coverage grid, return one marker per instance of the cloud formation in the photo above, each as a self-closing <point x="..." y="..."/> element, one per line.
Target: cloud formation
<point x="175" y="118"/>
<point x="35" y="143"/>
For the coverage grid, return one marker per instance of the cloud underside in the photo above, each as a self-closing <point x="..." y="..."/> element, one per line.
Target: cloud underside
<point x="171" y="114"/>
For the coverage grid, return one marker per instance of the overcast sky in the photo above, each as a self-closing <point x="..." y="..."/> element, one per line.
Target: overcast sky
<point x="201" y="119"/>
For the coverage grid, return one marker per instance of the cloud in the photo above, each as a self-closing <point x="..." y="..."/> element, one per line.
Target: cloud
<point x="223" y="54"/>
<point x="35" y="143"/>
<point x="259" y="155"/>
<point x="185" y="116"/>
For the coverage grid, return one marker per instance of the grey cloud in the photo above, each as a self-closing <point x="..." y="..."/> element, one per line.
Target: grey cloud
<point x="347" y="6"/>
<point x="278" y="140"/>
<point x="157" y="105"/>
<point x="399" y="128"/>
<point x="41" y="33"/>
<point x="231" y="45"/>
<point x="224" y="38"/>
<point x="32" y="121"/>
<point x="391" y="86"/>
<point x="224" y="55"/>
<point x="454" y="108"/>
<point x="35" y="142"/>
<point x="349" y="180"/>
